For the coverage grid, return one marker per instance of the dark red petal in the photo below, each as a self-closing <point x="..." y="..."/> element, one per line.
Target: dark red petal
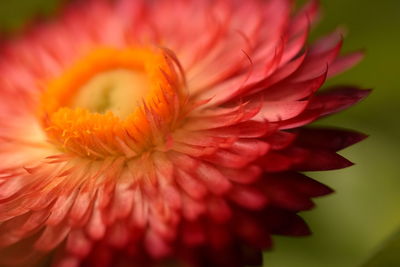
<point x="337" y="99"/>
<point x="249" y="197"/>
<point x="322" y="160"/>
<point x="219" y="235"/>
<point x="312" y="188"/>
<point x="331" y="139"/>
<point x="287" y="197"/>
<point x="274" y="162"/>
<point x="252" y="231"/>
<point x="252" y="256"/>
<point x="286" y="223"/>
<point x="193" y="233"/>
<point x="298" y="182"/>
<point x="219" y="210"/>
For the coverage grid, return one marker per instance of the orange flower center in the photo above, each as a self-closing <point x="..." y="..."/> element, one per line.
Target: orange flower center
<point x="106" y="103"/>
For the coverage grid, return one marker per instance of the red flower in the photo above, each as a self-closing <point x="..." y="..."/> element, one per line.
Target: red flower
<point x="137" y="131"/>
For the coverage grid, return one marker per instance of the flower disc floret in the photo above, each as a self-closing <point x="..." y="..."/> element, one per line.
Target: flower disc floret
<point x="103" y="104"/>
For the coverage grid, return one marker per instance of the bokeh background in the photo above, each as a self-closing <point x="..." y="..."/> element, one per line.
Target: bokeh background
<point x="359" y="224"/>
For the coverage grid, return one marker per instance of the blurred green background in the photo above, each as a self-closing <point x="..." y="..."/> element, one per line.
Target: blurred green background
<point x="353" y="224"/>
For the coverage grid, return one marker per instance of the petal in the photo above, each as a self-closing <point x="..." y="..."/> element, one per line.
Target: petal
<point x="191" y="185"/>
<point x="344" y="63"/>
<point x="78" y="243"/>
<point x="338" y="98"/>
<point x="331" y="139"/>
<point x="322" y="160"/>
<point x="219" y="210"/>
<point x="249" y="197"/>
<point x="215" y="181"/>
<point x="51" y="237"/>
<point x="273" y="111"/>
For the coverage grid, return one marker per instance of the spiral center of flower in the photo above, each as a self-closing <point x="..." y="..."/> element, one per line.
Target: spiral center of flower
<point x="107" y="102"/>
<point x="108" y="80"/>
<point x="119" y="91"/>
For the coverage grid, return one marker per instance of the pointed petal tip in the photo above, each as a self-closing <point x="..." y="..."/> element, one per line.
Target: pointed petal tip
<point x="301" y="231"/>
<point x="323" y="191"/>
<point x="362" y="52"/>
<point x="357" y="95"/>
<point x="345" y="163"/>
<point x="364" y="92"/>
<point x="298" y="229"/>
<point x="339" y="98"/>
<point x="353" y="92"/>
<point x="354" y="138"/>
<point x="324" y="160"/>
<point x="331" y="138"/>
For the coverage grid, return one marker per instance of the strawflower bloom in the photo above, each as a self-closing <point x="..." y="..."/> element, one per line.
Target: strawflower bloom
<point x="134" y="133"/>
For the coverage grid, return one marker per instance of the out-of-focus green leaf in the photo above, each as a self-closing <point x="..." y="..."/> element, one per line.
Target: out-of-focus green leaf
<point x="387" y="255"/>
<point x="14" y="14"/>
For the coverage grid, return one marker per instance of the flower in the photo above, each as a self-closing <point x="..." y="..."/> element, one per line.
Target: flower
<point x="137" y="131"/>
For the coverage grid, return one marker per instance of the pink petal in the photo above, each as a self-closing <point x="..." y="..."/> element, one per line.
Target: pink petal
<point x="191" y="185"/>
<point x="156" y="246"/>
<point x="246" y="175"/>
<point x="215" y="181"/>
<point x="294" y="91"/>
<point x="118" y="235"/>
<point x="51" y="237"/>
<point x="281" y="110"/>
<point x="344" y="63"/>
<point x="78" y="243"/>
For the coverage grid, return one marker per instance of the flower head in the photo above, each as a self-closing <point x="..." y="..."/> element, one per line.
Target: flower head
<point x="136" y="131"/>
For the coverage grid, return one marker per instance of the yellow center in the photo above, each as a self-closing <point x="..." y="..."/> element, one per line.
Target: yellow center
<point x="107" y="102"/>
<point x="119" y="91"/>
